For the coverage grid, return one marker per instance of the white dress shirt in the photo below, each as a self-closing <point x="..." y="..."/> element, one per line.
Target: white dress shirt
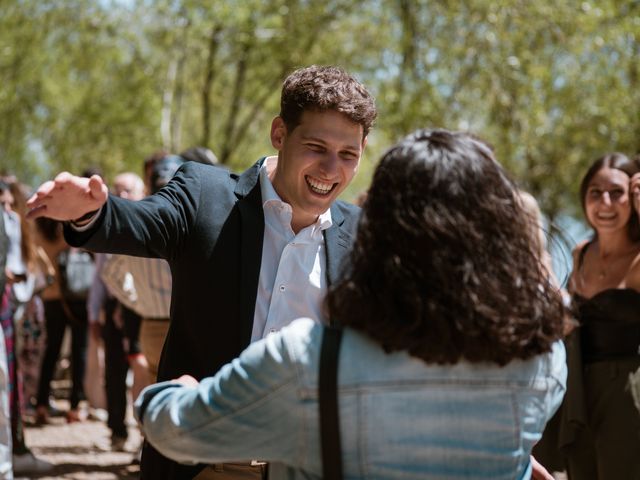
<point x="293" y="279"/>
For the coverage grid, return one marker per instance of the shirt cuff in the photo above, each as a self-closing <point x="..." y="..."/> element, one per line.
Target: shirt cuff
<point x="87" y="226"/>
<point x="142" y="402"/>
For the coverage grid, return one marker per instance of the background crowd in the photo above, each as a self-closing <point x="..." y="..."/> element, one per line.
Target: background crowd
<point x="113" y="311"/>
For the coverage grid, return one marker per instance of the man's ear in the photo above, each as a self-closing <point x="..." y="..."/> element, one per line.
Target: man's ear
<point x="364" y="142"/>
<point x="278" y="133"/>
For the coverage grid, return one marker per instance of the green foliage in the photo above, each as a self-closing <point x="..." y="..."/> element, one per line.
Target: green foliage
<point x="551" y="85"/>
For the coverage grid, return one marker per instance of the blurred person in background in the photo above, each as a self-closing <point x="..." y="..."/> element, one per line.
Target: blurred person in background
<point x="119" y="328"/>
<point x="65" y="303"/>
<point x="28" y="307"/>
<point x="48" y="235"/>
<point x="6" y="467"/>
<point x="200" y="155"/>
<point x="21" y="271"/>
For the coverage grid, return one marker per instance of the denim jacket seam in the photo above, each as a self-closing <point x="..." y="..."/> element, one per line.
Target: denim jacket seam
<point x="362" y="441"/>
<point x="311" y="392"/>
<point x="298" y="369"/>
<point x="515" y="410"/>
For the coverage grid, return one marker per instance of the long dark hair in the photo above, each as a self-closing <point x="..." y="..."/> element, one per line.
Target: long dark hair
<point x="617" y="161"/>
<point x="444" y="265"/>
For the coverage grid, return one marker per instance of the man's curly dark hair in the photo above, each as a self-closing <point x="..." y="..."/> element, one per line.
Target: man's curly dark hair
<point x="321" y="88"/>
<point x="444" y="264"/>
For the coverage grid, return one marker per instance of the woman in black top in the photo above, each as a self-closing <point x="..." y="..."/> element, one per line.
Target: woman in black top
<point x="600" y="431"/>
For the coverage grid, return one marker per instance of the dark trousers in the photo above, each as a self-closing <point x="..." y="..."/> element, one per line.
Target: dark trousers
<point x="57" y="321"/>
<point x="115" y="372"/>
<point x="608" y="448"/>
<point x="132" y="322"/>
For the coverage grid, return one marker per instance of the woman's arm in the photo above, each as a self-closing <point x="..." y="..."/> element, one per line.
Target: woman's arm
<point x="248" y="410"/>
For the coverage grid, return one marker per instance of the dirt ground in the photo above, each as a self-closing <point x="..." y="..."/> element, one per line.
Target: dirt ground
<point x="81" y="451"/>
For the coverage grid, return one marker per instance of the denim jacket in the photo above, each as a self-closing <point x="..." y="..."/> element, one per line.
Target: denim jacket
<point x="399" y="417"/>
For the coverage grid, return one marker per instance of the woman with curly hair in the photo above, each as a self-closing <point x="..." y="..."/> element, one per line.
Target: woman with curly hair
<point x="450" y="363"/>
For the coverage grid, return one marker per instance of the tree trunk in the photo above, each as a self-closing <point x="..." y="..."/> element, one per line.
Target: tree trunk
<point x="214" y="43"/>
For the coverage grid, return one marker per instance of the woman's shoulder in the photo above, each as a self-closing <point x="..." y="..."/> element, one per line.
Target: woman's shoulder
<point x="578" y="254"/>
<point x="580" y="249"/>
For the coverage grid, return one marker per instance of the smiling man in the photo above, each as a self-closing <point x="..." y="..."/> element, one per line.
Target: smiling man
<point x="248" y="253"/>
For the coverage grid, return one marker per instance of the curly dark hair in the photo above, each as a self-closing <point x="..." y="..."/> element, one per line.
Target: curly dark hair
<point x="444" y="265"/>
<point x="617" y="161"/>
<point x="320" y="88"/>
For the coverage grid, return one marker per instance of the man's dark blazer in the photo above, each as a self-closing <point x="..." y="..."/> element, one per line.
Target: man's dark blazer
<point x="209" y="225"/>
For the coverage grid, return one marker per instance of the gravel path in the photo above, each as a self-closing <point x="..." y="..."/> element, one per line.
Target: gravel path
<point x="81" y="451"/>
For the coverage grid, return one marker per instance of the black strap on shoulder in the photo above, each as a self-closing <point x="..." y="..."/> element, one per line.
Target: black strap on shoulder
<point x="328" y="398"/>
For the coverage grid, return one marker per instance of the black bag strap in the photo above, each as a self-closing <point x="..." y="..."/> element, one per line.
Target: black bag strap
<point x="328" y="398"/>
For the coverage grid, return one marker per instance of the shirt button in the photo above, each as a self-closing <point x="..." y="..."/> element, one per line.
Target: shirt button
<point x="282" y="288"/>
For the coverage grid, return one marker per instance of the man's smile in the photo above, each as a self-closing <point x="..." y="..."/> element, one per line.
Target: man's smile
<point x="319" y="187"/>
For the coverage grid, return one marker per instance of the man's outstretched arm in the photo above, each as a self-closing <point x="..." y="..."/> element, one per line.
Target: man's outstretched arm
<point x="68" y="197"/>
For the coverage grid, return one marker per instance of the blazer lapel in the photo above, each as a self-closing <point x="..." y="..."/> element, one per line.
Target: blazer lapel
<point x="251" y="236"/>
<point x="337" y="242"/>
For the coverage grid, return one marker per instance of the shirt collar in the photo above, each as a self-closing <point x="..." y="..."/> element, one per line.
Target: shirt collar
<point x="269" y="195"/>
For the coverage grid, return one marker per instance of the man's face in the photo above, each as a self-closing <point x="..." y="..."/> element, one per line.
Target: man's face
<point x="316" y="162"/>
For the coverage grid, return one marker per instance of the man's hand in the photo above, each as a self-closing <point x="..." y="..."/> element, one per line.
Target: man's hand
<point x="68" y="197"/>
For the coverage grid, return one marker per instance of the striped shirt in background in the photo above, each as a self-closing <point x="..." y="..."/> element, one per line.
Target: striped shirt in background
<point x="141" y="284"/>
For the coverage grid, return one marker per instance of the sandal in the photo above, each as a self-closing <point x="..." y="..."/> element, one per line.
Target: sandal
<point x="73" y="416"/>
<point x="42" y="415"/>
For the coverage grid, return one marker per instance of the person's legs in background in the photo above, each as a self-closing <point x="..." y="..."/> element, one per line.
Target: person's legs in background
<point x="31" y="332"/>
<point x="79" y="333"/>
<point x="22" y="459"/>
<point x="55" y="322"/>
<point x="115" y="376"/>
<point x="137" y="361"/>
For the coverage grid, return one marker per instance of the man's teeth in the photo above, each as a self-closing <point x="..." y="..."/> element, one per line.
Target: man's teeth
<point x="319" y="187"/>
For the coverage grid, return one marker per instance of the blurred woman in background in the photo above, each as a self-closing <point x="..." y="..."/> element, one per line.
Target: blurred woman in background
<point x="60" y="311"/>
<point x="600" y="428"/>
<point x="22" y="268"/>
